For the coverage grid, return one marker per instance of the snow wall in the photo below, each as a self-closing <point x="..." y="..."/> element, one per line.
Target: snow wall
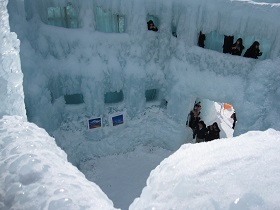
<point x="11" y="77"/>
<point x="57" y="61"/>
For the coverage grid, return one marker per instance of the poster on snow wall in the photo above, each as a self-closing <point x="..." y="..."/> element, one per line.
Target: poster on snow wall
<point x="117" y="119"/>
<point x="95" y="123"/>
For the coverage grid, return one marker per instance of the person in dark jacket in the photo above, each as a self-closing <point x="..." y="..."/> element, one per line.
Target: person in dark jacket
<point x="194" y="120"/>
<point x="228" y="42"/>
<point x="233" y="116"/>
<point x="216" y="131"/>
<point x="151" y="26"/>
<point x="253" y="51"/>
<point x="210" y="133"/>
<point x="213" y="132"/>
<point x="201" y="132"/>
<point x="201" y="39"/>
<point x="237" y="47"/>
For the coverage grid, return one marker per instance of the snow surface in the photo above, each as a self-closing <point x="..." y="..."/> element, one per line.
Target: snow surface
<point x="35" y="173"/>
<point x="234" y="173"/>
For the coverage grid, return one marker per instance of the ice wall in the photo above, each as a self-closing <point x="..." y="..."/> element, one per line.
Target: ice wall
<point x="62" y="61"/>
<point x="11" y="77"/>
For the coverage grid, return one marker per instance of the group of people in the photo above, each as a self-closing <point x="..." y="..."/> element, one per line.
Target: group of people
<point x="235" y="48"/>
<point x="229" y="47"/>
<point x="200" y="131"/>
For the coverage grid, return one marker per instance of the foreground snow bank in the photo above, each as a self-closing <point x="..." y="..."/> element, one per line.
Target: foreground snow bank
<point x="238" y="173"/>
<point x="35" y="174"/>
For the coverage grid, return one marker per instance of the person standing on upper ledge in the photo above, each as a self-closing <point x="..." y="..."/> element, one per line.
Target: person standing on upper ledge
<point x="237" y="47"/>
<point x="253" y="51"/>
<point x="201" y="39"/>
<point x="151" y="26"/>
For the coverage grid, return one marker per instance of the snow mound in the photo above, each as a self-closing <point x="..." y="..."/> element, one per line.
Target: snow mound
<point x="239" y="173"/>
<point x="35" y="173"/>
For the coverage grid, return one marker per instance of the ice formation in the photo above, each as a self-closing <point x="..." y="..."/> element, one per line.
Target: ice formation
<point x="61" y="61"/>
<point x="11" y="94"/>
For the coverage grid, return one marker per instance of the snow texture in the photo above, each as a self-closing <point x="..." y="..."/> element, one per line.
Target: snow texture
<point x="35" y="173"/>
<point x="237" y="173"/>
<point x="11" y="77"/>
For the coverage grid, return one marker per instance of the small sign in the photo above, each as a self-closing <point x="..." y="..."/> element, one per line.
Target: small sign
<point x="95" y="123"/>
<point x="118" y="119"/>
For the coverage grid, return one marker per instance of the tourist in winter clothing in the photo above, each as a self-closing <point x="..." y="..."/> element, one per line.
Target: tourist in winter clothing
<point x="194" y="120"/>
<point x="237" y="47"/>
<point x="233" y="116"/>
<point x="216" y="131"/>
<point x="213" y="132"/>
<point x="201" y="39"/>
<point x="228" y="42"/>
<point x="197" y="106"/>
<point x="253" y="51"/>
<point x="151" y="26"/>
<point x="201" y="132"/>
<point x="210" y="133"/>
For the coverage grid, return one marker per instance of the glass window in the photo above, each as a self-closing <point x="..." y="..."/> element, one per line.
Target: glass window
<point x="108" y="22"/>
<point x="151" y="94"/>
<point x="113" y="97"/>
<point x="74" y="99"/>
<point x="66" y="17"/>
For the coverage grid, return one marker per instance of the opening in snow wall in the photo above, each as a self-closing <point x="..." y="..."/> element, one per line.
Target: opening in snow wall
<point x="90" y="49"/>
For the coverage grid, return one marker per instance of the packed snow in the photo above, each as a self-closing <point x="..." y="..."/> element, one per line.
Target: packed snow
<point x="71" y="63"/>
<point x="35" y="173"/>
<point x="234" y="173"/>
<point x="11" y="94"/>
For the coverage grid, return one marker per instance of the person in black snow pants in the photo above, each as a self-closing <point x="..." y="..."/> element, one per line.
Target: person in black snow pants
<point x="201" y="132"/>
<point x="253" y="51"/>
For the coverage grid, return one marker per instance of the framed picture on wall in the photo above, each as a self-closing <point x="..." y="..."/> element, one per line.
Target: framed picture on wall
<point x="117" y="119"/>
<point x="95" y="123"/>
